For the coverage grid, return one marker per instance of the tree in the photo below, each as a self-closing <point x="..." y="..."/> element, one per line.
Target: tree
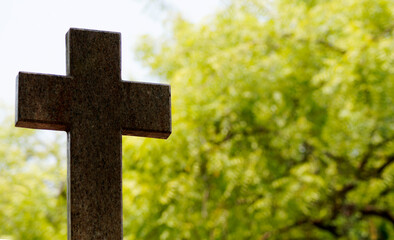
<point x="283" y="126"/>
<point x="283" y="129"/>
<point x="32" y="185"/>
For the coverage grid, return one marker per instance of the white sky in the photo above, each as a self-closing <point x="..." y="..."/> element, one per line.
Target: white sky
<point x="32" y="32"/>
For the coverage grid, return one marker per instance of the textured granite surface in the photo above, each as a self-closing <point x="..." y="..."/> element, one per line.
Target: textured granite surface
<point x="95" y="107"/>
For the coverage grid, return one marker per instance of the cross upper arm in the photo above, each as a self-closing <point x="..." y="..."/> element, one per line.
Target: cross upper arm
<point x="146" y="109"/>
<point x="42" y="101"/>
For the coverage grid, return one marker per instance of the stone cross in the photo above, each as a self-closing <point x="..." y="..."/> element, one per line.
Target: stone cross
<point x="95" y="107"/>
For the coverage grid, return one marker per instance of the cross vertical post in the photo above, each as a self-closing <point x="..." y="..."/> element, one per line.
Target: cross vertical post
<point x="95" y="107"/>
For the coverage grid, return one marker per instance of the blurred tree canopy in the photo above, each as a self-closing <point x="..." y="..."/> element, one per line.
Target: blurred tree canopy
<point x="32" y="184"/>
<point x="283" y="128"/>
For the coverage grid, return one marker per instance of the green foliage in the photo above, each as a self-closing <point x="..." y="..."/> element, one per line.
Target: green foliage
<point x="32" y="185"/>
<point x="283" y="126"/>
<point x="283" y="117"/>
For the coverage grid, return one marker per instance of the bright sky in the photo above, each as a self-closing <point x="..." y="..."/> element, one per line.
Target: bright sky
<point x="32" y="32"/>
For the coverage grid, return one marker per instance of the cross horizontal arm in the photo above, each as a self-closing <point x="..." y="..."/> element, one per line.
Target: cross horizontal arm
<point x="146" y="109"/>
<point x="42" y="101"/>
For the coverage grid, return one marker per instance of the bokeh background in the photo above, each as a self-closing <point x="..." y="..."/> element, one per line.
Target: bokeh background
<point x="283" y="118"/>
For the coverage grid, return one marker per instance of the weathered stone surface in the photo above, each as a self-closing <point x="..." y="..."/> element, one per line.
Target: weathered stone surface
<point x="95" y="107"/>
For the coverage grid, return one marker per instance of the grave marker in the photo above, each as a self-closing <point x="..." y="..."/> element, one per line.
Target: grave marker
<point x="95" y="107"/>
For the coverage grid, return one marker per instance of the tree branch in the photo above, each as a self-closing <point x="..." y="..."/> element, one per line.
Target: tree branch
<point x="231" y="134"/>
<point x="327" y="227"/>
<point x="316" y="223"/>
<point x="370" y="150"/>
<point x="390" y="160"/>
<point x="373" y="211"/>
<point x="331" y="46"/>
